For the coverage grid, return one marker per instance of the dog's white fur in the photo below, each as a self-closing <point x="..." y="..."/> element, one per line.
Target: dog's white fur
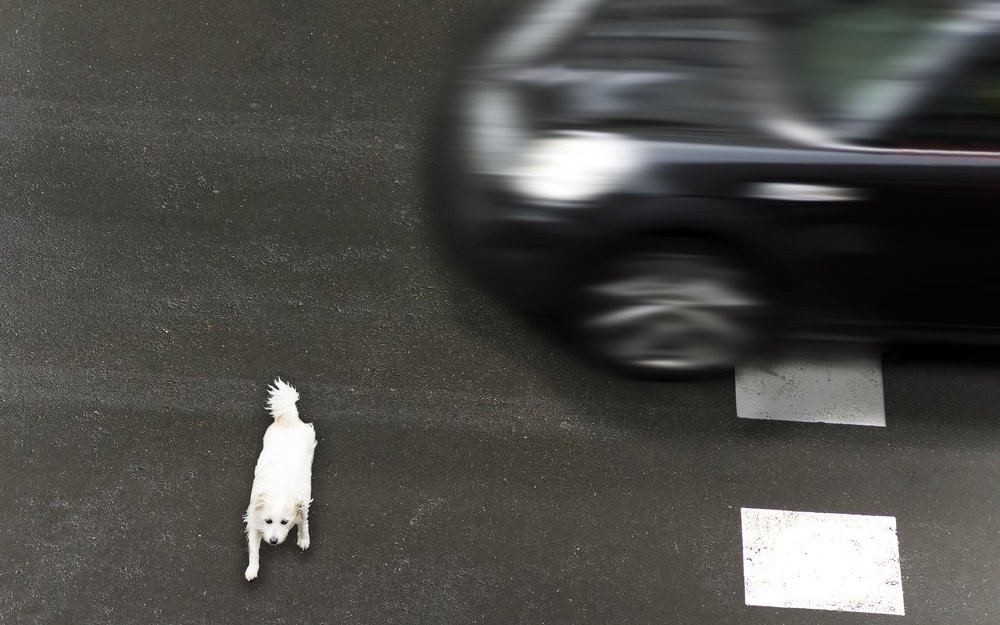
<point x="282" y="483"/>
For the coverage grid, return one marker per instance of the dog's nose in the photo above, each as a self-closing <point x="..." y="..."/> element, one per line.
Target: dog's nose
<point x="273" y="541"/>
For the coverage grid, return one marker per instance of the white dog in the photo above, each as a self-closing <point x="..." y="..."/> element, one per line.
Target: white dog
<point x="282" y="483"/>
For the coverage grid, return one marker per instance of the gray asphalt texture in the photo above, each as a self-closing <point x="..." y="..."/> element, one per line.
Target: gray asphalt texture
<point x="199" y="197"/>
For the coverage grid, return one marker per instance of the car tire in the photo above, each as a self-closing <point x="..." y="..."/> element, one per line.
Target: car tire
<point x="673" y="308"/>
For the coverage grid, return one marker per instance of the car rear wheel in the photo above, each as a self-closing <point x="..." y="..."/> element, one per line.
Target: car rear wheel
<point x="677" y="308"/>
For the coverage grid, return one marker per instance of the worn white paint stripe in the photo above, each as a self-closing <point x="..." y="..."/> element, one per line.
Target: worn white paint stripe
<point x="843" y="388"/>
<point x="810" y="560"/>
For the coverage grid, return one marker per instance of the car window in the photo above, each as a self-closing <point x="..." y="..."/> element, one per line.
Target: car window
<point x="845" y="61"/>
<point x="964" y="115"/>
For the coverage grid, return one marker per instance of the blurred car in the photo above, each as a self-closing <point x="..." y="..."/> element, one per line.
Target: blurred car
<point x="686" y="182"/>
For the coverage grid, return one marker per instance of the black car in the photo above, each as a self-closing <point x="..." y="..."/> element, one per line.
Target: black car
<point x="687" y="180"/>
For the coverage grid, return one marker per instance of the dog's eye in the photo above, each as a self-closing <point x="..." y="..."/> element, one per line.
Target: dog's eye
<point x="284" y="522"/>
<point x="268" y="521"/>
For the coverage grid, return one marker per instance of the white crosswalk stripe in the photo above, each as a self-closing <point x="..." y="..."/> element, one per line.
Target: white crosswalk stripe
<point x="842" y="388"/>
<point x="840" y="562"/>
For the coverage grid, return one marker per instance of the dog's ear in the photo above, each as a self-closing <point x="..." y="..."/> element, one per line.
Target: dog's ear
<point x="300" y="507"/>
<point x="258" y="503"/>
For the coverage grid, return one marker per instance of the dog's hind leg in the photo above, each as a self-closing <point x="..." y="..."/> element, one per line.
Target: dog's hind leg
<point x="303" y="541"/>
<point x="253" y="547"/>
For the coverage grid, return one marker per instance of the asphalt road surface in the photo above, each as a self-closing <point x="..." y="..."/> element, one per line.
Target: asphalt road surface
<point x="198" y="197"/>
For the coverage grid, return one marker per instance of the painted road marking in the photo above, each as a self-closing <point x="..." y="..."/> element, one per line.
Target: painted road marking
<point x="841" y="562"/>
<point x="843" y="388"/>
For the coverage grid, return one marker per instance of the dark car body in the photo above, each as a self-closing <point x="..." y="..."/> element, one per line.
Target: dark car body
<point x="872" y="214"/>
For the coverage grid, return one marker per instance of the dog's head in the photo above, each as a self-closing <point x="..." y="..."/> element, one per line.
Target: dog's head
<point x="274" y="515"/>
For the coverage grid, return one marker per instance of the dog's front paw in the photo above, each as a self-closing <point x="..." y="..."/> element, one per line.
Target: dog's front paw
<point x="251" y="573"/>
<point x="303" y="542"/>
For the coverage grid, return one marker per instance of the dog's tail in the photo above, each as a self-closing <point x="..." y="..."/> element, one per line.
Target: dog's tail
<point x="281" y="401"/>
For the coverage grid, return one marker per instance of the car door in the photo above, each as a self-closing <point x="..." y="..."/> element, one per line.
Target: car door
<point x="909" y="94"/>
<point x="939" y="210"/>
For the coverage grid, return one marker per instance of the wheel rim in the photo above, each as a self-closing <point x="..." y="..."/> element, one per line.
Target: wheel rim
<point x="672" y="312"/>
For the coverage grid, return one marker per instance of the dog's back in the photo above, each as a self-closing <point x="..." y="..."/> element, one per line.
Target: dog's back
<point x="288" y="443"/>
